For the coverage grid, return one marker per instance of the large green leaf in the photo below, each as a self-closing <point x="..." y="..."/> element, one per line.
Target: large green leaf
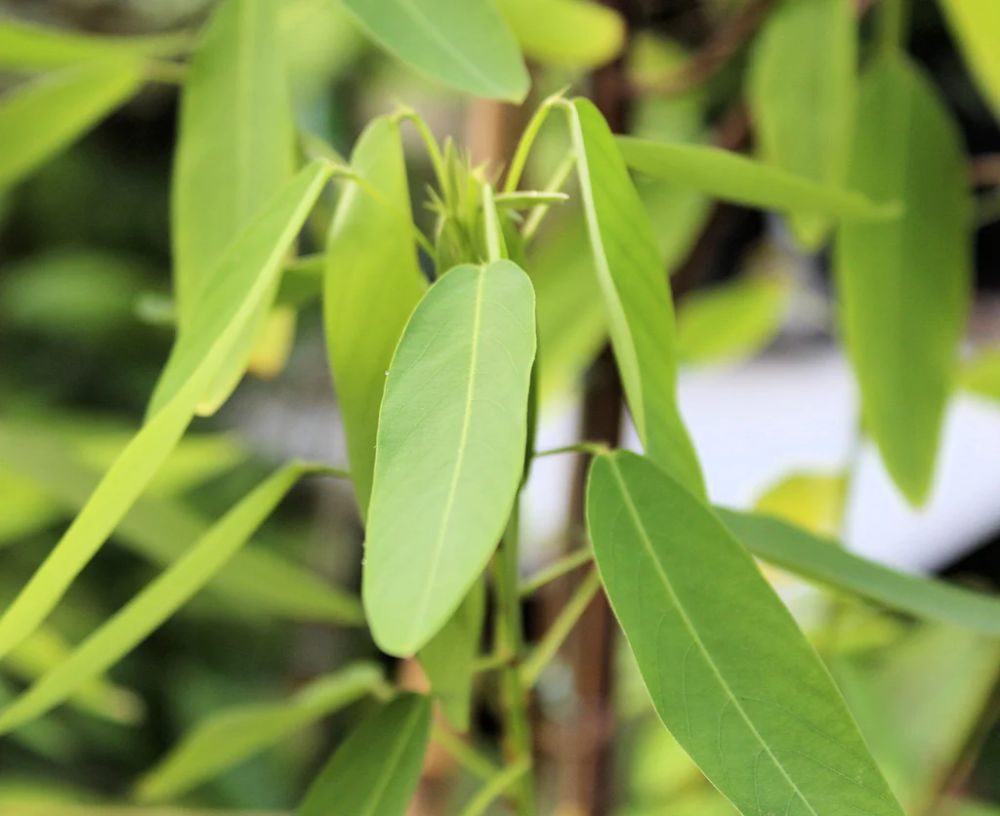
<point x="155" y="604"/>
<point x="728" y="670"/>
<point x="636" y="296"/>
<point x="231" y="736"/>
<point x="450" y="451"/>
<point x="467" y="45"/>
<point x="252" y="265"/>
<point x="735" y="178"/>
<point x="372" y="284"/>
<point x="976" y="26"/>
<point x="235" y="149"/>
<point x="904" y="284"/>
<point x="575" y="33"/>
<point x="47" y="114"/>
<point x="375" y="771"/>
<point x="823" y="560"/>
<point x="802" y="92"/>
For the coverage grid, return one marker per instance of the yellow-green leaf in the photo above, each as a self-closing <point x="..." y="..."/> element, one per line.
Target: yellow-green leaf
<point x="814" y="501"/>
<point x="574" y="33"/>
<point x="981" y="374"/>
<point x="975" y="24"/>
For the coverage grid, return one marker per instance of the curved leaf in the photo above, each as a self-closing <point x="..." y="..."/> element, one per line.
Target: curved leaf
<point x="976" y="26"/>
<point x="450" y="449"/>
<point x="728" y="670"/>
<point x="575" y="33"/>
<point x="810" y="499"/>
<point x="376" y="769"/>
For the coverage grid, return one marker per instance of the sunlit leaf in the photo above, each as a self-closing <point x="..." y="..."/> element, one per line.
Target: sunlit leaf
<point x="981" y="374"/>
<point x="228" y="737"/>
<point x="467" y="45"/>
<point x="450" y="451"/>
<point x="975" y="25"/>
<point x="811" y="500"/>
<point x="904" y="284"/>
<point x="371" y="286"/>
<point x="376" y="769"/>
<point x="575" y="33"/>
<point x="273" y="345"/>
<point x="727" y="669"/>
<point x="41" y="117"/>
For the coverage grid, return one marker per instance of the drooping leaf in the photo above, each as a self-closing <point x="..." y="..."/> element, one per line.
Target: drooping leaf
<point x="636" y="296"/>
<point x="49" y="113"/>
<point x="981" y="374"/>
<point x="735" y="178"/>
<point x="252" y="263"/>
<point x="235" y="150"/>
<point x="376" y="769"/>
<point x="231" y="736"/>
<point x="467" y="45"/>
<point x="575" y="33"/>
<point x="802" y="93"/>
<point x="449" y="657"/>
<point x="903" y="285"/>
<point x="450" y="450"/>
<point x="371" y="286"/>
<point x="975" y="25"/>
<point x="827" y="562"/>
<point x="155" y="604"/>
<point x="727" y="669"/>
<point x="812" y="500"/>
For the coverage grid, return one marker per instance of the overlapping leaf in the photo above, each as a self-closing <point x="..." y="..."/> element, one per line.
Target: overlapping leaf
<point x="575" y="33"/>
<point x="976" y="27"/>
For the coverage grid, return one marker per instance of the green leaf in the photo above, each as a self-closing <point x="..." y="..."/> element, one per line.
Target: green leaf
<point x="449" y="657"/>
<point x="732" y="320"/>
<point x="252" y="265"/>
<point x="41" y="117"/>
<point x="235" y="150"/>
<point x="450" y="450"/>
<point x="573" y="33"/>
<point x="636" y="296"/>
<point x="372" y="284"/>
<point x="227" y="738"/>
<point x="376" y="769"/>
<point x="981" y="374"/>
<point x="728" y="670"/>
<point x="737" y="179"/>
<point x="467" y="45"/>
<point x="156" y="603"/>
<point x="975" y="25"/>
<point x="802" y="94"/>
<point x="814" y="501"/>
<point x="904" y="285"/>
<point x="827" y="562"/>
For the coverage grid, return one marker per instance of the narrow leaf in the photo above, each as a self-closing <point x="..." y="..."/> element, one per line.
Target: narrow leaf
<point x="574" y="33"/>
<point x="450" y="450"/>
<point x="467" y="45"/>
<point x="376" y="769"/>
<point x="975" y="25"/>
<point x="728" y="670"/>
<point x="904" y="285"/>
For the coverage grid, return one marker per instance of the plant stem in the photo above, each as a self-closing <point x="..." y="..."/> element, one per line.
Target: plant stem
<point x="592" y="448"/>
<point x="496" y="786"/>
<point x="557" y="569"/>
<point x="494" y="235"/>
<point x="892" y="17"/>
<point x="520" y="158"/>
<point x="534" y="219"/>
<point x="464" y="754"/>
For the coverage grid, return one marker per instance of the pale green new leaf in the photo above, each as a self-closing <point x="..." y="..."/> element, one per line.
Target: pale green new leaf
<point x="155" y="604"/>
<point x="636" y="296"/>
<point x="227" y="738"/>
<point x="802" y="93"/>
<point x="467" y="45"/>
<point x="812" y="500"/>
<point x="904" y="284"/>
<point x="41" y="117"/>
<point x="450" y="450"/>
<point x="737" y="179"/>
<point x="981" y="374"/>
<point x="827" y="562"/>
<point x="371" y="286"/>
<point x="376" y="769"/>
<point x="728" y="670"/>
<point x="574" y="33"/>
<point x="235" y="149"/>
<point x="252" y="265"/>
<point x="975" y="24"/>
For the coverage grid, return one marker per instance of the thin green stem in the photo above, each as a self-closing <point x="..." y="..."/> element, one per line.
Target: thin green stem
<point x="523" y="150"/>
<point x="494" y="235"/>
<point x="559" y="568"/>
<point x="495" y="787"/>
<point x="537" y="214"/>
<point x="464" y="754"/>
<point x="433" y="151"/>
<point x="490" y="662"/>
<point x="532" y="668"/>
<point x="591" y="448"/>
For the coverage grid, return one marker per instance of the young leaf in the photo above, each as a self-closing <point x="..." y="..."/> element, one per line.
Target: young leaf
<point x="449" y="657"/>
<point x="814" y="501"/>
<point x="735" y="178"/>
<point x="904" y="285"/>
<point x="47" y="114"/>
<point x="376" y="769"/>
<point x="825" y="561"/>
<point x="728" y="670"/>
<point x="235" y="150"/>
<point x="574" y="33"/>
<point x="371" y="286"/>
<point x="467" y="45"/>
<point x="975" y="25"/>
<point x="450" y="450"/>
<point x="636" y="296"/>
<point x="252" y="265"/>
<point x="155" y="604"/>
<point x="231" y="736"/>
<point x="802" y="93"/>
